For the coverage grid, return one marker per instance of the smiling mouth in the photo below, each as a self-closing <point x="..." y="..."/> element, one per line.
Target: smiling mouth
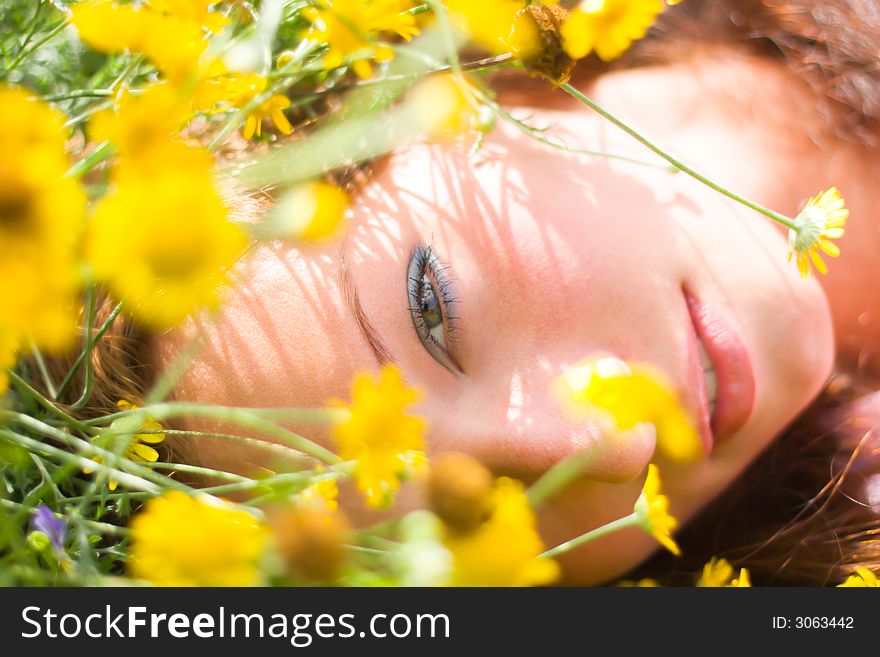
<point x="722" y="373"/>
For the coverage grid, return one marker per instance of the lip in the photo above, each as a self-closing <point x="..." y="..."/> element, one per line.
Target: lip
<point x="733" y="369"/>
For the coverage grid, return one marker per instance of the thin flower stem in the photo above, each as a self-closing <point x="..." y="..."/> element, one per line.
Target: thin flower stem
<point x="557" y="478"/>
<point x="86" y="352"/>
<point x="102" y="527"/>
<point x="631" y="520"/>
<point x="88" y="344"/>
<point x="80" y="93"/>
<point x="102" y="152"/>
<point x="199" y="470"/>
<point x="251" y="419"/>
<point x="535" y="134"/>
<point x="48" y="404"/>
<point x="132" y="480"/>
<point x="44" y="371"/>
<point x="775" y="216"/>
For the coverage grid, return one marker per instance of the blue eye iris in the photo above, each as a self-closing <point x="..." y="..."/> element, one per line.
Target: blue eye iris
<point x="428" y="290"/>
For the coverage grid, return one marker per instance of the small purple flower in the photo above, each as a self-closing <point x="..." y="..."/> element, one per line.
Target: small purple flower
<point x="44" y="520"/>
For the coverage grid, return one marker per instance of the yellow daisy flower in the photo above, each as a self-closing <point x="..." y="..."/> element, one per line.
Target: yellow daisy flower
<point x="141" y="449"/>
<point x="351" y="26"/>
<point x="178" y="540"/>
<point x="652" y="507"/>
<point x="161" y="239"/>
<point x="862" y="578"/>
<point x="380" y="436"/>
<point x="41" y="217"/>
<point x="719" y="573"/>
<point x="505" y="550"/>
<point x="628" y="395"/>
<point x="608" y="27"/>
<point x="822" y="219"/>
<point x="195" y="11"/>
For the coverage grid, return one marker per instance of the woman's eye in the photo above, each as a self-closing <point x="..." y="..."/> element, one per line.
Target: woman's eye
<point x="428" y="289"/>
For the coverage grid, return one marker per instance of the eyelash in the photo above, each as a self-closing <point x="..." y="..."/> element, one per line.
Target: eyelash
<point x="424" y="262"/>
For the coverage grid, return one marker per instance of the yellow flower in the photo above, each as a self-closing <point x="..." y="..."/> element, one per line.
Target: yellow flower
<point x="445" y="107"/>
<point x="380" y="436"/>
<point x="179" y="540"/>
<point x="161" y="238"/>
<point x="172" y="38"/>
<point x="652" y="508"/>
<point x="141" y="122"/>
<point x="41" y="218"/>
<point x="352" y="26"/>
<point x="629" y="395"/>
<point x="195" y="11"/>
<point x="489" y="23"/>
<point x="608" y="27"/>
<point x="743" y="581"/>
<point x="312" y="211"/>
<point x="270" y="108"/>
<point x="505" y="550"/>
<point x="227" y="90"/>
<point x="323" y="492"/>
<point x="717" y="572"/>
<point x="140" y="449"/>
<point x="862" y="578"/>
<point x="642" y="583"/>
<point x="823" y="219"/>
<point x="7" y="359"/>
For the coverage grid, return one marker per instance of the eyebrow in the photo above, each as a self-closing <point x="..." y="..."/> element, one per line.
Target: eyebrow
<point x="353" y="301"/>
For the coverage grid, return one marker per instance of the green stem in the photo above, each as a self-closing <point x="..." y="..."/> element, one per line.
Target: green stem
<point x="88" y="344"/>
<point x="86" y="352"/>
<point x="631" y="520"/>
<point x="44" y="371"/>
<point x="255" y="419"/>
<point x="102" y="527"/>
<point x="534" y="133"/>
<point x="103" y="151"/>
<point x="558" y="477"/>
<point x="767" y="212"/>
<point x="48" y="404"/>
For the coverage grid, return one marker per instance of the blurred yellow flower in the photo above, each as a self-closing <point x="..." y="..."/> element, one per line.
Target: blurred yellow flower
<point x="496" y="25"/>
<point x="195" y="11"/>
<point x="608" y="27"/>
<point x="324" y="492"/>
<point x="271" y="109"/>
<point x="743" y="581"/>
<point x="631" y="394"/>
<point x="652" y="508"/>
<point x="41" y="218"/>
<point x="380" y="436"/>
<point x="7" y="359"/>
<point x="312" y="211"/>
<point x="505" y="549"/>
<point x="170" y="33"/>
<point x="647" y="582"/>
<point x="822" y="219"/>
<point x="717" y="572"/>
<point x="862" y="578"/>
<point x="349" y="27"/>
<point x="445" y="107"/>
<point x="140" y="449"/>
<point x="141" y="122"/>
<point x="161" y="238"/>
<point x="178" y="540"/>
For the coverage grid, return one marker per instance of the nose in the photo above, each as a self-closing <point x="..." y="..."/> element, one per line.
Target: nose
<point x="517" y="426"/>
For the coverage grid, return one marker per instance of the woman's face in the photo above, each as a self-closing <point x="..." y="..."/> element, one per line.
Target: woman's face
<point x="534" y="259"/>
